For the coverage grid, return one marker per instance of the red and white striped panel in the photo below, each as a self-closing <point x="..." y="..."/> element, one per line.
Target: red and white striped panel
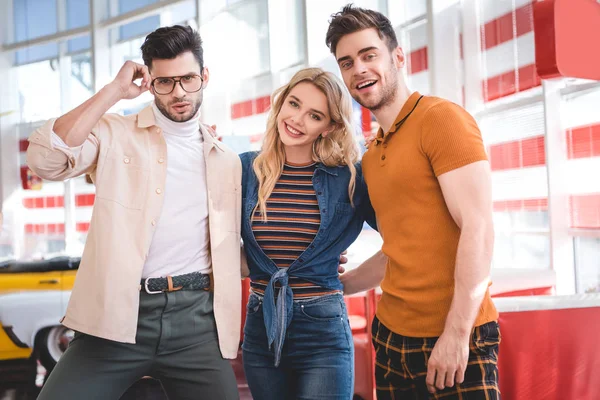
<point x="44" y="209"/>
<point x="516" y="147"/>
<point x="508" y="47"/>
<point x="418" y="67"/>
<point x="250" y="108"/>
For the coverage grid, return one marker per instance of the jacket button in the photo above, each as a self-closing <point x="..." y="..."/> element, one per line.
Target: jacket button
<point x="158" y="191"/>
<point x="300" y="260"/>
<point x="319" y="193"/>
<point x="161" y="160"/>
<point x="325" y="211"/>
<point x="126" y="160"/>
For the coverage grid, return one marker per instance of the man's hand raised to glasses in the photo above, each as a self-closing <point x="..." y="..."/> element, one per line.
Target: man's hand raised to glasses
<point x="128" y="74"/>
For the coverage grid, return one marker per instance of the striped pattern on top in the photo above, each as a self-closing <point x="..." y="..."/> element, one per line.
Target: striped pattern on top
<point x="293" y="222"/>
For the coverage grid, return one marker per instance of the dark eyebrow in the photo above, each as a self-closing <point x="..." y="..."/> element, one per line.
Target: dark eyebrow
<point x="297" y="100"/>
<point x="361" y="51"/>
<point x="179" y="76"/>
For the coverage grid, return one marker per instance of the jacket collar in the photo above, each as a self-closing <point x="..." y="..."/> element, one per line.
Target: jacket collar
<point x="145" y="119"/>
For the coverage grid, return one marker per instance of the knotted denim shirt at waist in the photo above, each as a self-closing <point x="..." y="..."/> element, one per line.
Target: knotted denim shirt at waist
<point x="341" y="223"/>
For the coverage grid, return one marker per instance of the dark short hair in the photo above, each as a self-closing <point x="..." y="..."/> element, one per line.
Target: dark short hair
<point x="353" y="19"/>
<point x="171" y="41"/>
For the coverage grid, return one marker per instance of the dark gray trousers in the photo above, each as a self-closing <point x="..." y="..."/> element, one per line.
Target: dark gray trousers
<point x="176" y="343"/>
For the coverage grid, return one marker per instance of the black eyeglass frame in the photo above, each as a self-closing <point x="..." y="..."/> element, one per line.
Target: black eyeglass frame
<point x="176" y="80"/>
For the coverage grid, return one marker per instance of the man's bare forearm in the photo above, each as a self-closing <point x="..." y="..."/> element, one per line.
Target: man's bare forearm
<point x="472" y="275"/>
<point x="366" y="276"/>
<point x="75" y="126"/>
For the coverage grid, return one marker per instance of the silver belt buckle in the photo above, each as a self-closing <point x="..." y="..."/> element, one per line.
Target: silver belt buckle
<point x="147" y="289"/>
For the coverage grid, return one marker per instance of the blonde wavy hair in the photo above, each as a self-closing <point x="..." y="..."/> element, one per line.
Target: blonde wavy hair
<point x="339" y="148"/>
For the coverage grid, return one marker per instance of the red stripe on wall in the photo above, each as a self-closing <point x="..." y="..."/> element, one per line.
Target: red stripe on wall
<point x="511" y="82"/>
<point x="250" y="107"/>
<point x="365" y="115"/>
<point x="23" y="145"/>
<point x="583" y="142"/>
<point x="507" y="27"/>
<point x="585" y="211"/>
<point x="521" y="205"/>
<point x="54" y="229"/>
<point x="524" y="153"/>
<point x="81" y="200"/>
<point x="417" y="61"/>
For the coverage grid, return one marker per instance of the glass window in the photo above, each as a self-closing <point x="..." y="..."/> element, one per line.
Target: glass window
<point x="78" y="13"/>
<point x="508" y="48"/>
<point x="126" y="6"/>
<point x="521" y="251"/>
<point x="587" y="263"/>
<point x="250" y="33"/>
<point x="402" y="11"/>
<point x="34" y="18"/>
<point x="413" y="40"/>
<point x="76" y="45"/>
<point x="38" y="86"/>
<point x="36" y="53"/>
<point x="289" y="42"/>
<point x="581" y="121"/>
<point x="44" y="221"/>
<point x="80" y="79"/>
<point x="181" y="13"/>
<point x="139" y="28"/>
<point x="515" y="142"/>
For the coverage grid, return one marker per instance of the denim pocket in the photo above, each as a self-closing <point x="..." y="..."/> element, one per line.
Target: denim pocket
<point x="329" y="308"/>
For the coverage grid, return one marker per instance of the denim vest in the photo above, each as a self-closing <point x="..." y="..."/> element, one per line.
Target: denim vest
<point x="341" y="223"/>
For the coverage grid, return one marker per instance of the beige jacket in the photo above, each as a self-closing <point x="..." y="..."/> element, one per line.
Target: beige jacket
<point x="126" y="157"/>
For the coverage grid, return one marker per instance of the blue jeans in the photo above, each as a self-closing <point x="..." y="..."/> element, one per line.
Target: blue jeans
<point x="317" y="360"/>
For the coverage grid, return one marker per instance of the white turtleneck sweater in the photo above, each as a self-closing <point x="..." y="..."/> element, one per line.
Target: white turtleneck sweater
<point x="180" y="244"/>
<point x="181" y="240"/>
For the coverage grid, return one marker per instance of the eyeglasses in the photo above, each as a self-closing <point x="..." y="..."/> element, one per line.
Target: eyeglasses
<point x="189" y="83"/>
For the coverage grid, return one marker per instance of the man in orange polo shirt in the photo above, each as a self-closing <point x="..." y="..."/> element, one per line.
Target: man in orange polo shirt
<point x="436" y="333"/>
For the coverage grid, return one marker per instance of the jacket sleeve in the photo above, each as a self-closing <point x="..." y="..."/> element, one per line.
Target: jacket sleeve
<point x="54" y="162"/>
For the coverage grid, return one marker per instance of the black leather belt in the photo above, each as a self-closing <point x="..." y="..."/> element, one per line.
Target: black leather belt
<point x="192" y="281"/>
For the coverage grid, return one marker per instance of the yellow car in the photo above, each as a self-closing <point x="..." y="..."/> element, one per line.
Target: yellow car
<point x="33" y="299"/>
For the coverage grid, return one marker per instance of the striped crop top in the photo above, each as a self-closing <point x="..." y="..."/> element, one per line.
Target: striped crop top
<point x="293" y="222"/>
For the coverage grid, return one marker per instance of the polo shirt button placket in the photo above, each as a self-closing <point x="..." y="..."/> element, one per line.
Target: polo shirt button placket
<point x="383" y="147"/>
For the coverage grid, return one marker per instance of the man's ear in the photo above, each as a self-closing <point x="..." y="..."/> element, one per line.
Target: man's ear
<point x="205" y="77"/>
<point x="399" y="58"/>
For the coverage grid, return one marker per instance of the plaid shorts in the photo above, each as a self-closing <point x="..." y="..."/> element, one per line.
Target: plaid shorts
<point x="401" y="365"/>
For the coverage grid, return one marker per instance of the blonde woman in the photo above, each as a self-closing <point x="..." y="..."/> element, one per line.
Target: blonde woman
<point x="304" y="202"/>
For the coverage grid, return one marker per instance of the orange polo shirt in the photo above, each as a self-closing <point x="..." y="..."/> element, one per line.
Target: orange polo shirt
<point x="420" y="237"/>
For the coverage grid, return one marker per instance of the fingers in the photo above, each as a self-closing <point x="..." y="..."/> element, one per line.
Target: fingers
<point x="345" y="252"/>
<point x="211" y="129"/>
<point x="460" y="374"/>
<point x="143" y="72"/>
<point x="440" y="379"/>
<point x="341" y="269"/>
<point x="430" y="379"/>
<point x="450" y="379"/>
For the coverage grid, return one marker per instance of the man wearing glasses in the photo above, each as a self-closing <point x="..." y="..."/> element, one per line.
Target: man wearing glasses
<point x="158" y="290"/>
